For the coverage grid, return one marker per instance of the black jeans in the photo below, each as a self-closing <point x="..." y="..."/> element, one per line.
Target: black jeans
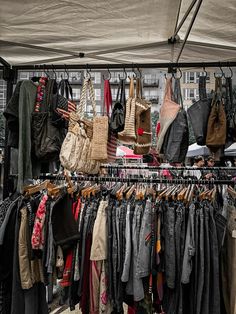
<point x="214" y="261"/>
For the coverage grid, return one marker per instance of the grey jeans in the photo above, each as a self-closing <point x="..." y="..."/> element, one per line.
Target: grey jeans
<point x="145" y="245"/>
<point x="135" y="285"/>
<point x="189" y="251"/>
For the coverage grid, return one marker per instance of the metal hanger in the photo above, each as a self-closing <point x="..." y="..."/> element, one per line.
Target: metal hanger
<point x="125" y="78"/>
<point x="222" y="73"/>
<point x="54" y="72"/>
<point x="67" y="73"/>
<point x="231" y="73"/>
<point x="109" y="77"/>
<point x="88" y="73"/>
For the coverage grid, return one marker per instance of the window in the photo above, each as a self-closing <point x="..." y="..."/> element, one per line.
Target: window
<point x="151" y="79"/>
<point x="190" y="93"/>
<point x="151" y="95"/>
<point x="74" y="76"/>
<point x="24" y="75"/>
<point x="96" y="77"/>
<point x="97" y="94"/>
<point x="191" y="77"/>
<point x="76" y="93"/>
<point x="114" y="93"/>
<point x="1" y="95"/>
<point x="115" y="77"/>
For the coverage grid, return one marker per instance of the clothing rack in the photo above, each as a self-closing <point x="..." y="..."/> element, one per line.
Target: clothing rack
<point x="10" y="75"/>
<point x="100" y="179"/>
<point x="112" y="166"/>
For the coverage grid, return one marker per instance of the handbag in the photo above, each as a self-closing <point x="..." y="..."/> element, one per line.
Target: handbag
<point x="168" y="113"/>
<point x="143" y="124"/>
<point x="76" y="149"/>
<point x="230" y="111"/>
<point x="175" y="144"/>
<point x="60" y="105"/>
<point x="112" y="140"/>
<point x="117" y="121"/>
<point x="46" y="137"/>
<point x="216" y="128"/>
<point x="199" y="112"/>
<point x="128" y="135"/>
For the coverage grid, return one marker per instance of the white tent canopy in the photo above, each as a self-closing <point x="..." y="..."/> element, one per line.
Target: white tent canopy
<point x="231" y="150"/>
<point x="125" y="31"/>
<point x="195" y="150"/>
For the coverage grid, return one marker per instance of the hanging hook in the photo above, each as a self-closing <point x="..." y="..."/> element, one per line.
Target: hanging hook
<point x="109" y="77"/>
<point x="134" y="73"/>
<point x="87" y="72"/>
<point x="54" y="72"/>
<point x="125" y="78"/>
<point x="178" y="77"/>
<point x="222" y="73"/>
<point x="45" y="71"/>
<point x="204" y="71"/>
<point x="67" y="73"/>
<point x="231" y="73"/>
<point x="140" y="73"/>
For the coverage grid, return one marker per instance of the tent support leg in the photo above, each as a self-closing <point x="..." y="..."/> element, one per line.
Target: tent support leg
<point x="9" y="76"/>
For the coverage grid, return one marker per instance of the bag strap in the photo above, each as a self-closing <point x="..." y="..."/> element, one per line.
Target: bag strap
<point x="131" y="88"/>
<point x="229" y="94"/>
<point x="168" y="89"/>
<point x="107" y="97"/>
<point x="65" y="88"/>
<point x="218" y="88"/>
<point x="202" y="87"/>
<point x="177" y="93"/>
<point x="138" y="88"/>
<point x="87" y="86"/>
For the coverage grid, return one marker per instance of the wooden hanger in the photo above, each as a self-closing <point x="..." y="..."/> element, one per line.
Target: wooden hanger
<point x="32" y="189"/>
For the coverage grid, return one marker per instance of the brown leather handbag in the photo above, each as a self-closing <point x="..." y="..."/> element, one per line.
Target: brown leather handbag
<point x="216" y="128"/>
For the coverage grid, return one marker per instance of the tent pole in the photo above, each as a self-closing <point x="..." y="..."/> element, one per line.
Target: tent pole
<point x="7" y="150"/>
<point x="177" y="28"/>
<point x="189" y="29"/>
<point x="166" y="65"/>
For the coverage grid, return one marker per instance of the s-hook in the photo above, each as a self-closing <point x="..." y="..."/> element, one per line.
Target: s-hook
<point x="125" y="78"/>
<point x="222" y="73"/>
<point x="66" y="71"/>
<point x="109" y="77"/>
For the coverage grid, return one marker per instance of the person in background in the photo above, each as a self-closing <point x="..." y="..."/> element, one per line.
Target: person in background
<point x="210" y="174"/>
<point x="199" y="162"/>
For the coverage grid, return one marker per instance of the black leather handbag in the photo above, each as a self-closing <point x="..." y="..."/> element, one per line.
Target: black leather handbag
<point x="199" y="113"/>
<point x="47" y="137"/>
<point x="175" y="144"/>
<point x="230" y="110"/>
<point x="117" y="121"/>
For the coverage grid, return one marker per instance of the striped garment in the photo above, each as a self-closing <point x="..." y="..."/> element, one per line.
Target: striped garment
<point x="65" y="112"/>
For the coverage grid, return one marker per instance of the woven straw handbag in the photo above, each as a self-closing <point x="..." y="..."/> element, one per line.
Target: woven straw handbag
<point x="128" y="135"/>
<point x="75" y="153"/>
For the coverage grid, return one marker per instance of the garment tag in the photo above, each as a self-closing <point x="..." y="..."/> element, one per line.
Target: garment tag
<point x="234" y="234"/>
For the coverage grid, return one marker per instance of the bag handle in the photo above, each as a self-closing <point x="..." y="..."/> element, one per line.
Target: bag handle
<point x="138" y="88"/>
<point x="168" y="90"/>
<point x="131" y="88"/>
<point x="202" y="87"/>
<point x="177" y="93"/>
<point x="218" y="88"/>
<point x="65" y="88"/>
<point x="229" y="93"/>
<point x="87" y="86"/>
<point x="107" y="97"/>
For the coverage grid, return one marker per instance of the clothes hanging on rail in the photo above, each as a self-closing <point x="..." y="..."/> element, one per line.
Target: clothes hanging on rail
<point x="157" y="254"/>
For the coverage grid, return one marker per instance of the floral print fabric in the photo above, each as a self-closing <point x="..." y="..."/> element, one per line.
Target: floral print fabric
<point x="37" y="239"/>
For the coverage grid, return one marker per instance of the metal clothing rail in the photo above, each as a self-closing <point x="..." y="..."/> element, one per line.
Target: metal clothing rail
<point x="100" y="179"/>
<point x="167" y="65"/>
<point x="112" y="166"/>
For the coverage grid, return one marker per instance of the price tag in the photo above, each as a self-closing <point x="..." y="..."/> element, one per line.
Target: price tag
<point x="234" y="234"/>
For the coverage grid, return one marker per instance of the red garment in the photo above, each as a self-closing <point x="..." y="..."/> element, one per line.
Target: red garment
<point x="37" y="239"/>
<point x="107" y="96"/>
<point x="131" y="310"/>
